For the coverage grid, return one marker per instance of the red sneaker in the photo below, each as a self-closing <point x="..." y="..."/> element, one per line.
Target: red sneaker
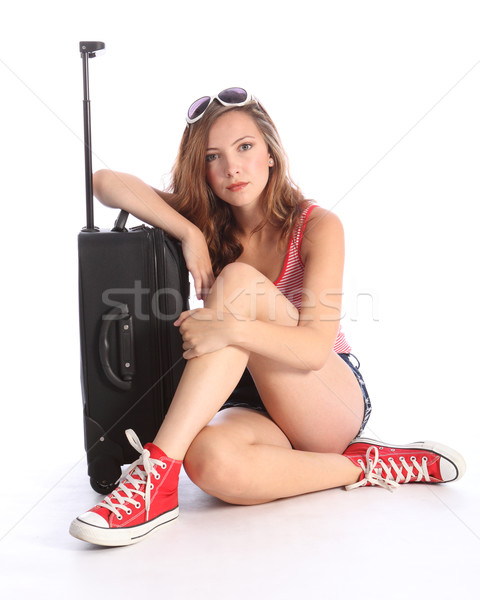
<point x="145" y="499"/>
<point x="388" y="466"/>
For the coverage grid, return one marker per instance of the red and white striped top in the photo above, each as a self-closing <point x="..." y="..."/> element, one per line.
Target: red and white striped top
<point x="290" y="281"/>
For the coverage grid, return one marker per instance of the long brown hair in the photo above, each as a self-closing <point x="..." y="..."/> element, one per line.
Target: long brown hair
<point x="281" y="199"/>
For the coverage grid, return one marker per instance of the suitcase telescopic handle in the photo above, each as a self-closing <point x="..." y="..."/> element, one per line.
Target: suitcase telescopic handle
<point x="120" y="315"/>
<point x="88" y="50"/>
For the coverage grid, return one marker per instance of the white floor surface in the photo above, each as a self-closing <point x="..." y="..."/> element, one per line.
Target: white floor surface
<point x="420" y="541"/>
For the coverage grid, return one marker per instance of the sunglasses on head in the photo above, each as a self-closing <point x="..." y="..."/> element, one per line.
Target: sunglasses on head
<point x="229" y="97"/>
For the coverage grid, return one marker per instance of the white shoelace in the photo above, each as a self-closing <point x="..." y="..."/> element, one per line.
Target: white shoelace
<point x="137" y="478"/>
<point x="401" y="474"/>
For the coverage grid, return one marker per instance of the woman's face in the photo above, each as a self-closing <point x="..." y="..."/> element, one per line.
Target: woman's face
<point x="238" y="162"/>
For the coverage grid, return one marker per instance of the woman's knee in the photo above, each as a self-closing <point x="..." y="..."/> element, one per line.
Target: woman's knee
<point x="239" y="271"/>
<point x="242" y="289"/>
<point x="237" y="281"/>
<point x="214" y="465"/>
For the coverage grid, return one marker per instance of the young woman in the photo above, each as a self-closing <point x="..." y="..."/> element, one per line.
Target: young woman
<point x="268" y="265"/>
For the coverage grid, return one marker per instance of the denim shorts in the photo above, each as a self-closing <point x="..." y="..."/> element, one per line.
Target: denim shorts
<point x="366" y="398"/>
<point x="245" y="395"/>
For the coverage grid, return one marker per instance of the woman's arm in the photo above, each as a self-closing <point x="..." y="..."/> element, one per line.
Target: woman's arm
<point x="120" y="190"/>
<point x="129" y="193"/>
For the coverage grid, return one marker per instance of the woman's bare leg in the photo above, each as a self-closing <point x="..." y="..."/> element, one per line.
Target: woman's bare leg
<point x="319" y="412"/>
<point x="206" y="383"/>
<point x="208" y="380"/>
<point x="243" y="457"/>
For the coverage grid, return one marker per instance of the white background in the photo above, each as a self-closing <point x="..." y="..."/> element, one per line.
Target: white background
<point x="377" y="105"/>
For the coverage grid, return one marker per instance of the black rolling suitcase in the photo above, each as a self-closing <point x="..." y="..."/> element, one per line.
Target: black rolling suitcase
<point x="133" y="284"/>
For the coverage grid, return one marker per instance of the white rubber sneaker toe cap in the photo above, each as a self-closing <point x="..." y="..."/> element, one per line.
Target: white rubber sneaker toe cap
<point x="92" y="518"/>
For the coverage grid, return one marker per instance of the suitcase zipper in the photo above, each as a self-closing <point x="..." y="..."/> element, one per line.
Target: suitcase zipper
<point x="156" y="333"/>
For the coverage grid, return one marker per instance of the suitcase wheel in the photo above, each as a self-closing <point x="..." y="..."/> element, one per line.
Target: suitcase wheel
<point x="104" y="471"/>
<point x="102" y="487"/>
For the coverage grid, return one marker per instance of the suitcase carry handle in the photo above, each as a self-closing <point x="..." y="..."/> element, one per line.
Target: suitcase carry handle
<point x="121" y="315"/>
<point x="121" y="221"/>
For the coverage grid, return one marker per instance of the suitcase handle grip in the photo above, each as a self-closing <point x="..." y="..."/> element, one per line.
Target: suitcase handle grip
<point x="91" y="48"/>
<point x="119" y="314"/>
<point x="121" y="221"/>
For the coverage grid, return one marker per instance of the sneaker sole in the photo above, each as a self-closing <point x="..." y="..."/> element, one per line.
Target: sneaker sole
<point x="121" y="536"/>
<point x="441" y="450"/>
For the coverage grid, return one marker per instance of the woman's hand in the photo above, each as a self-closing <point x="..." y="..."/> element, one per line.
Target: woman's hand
<point x="205" y="330"/>
<point x="197" y="259"/>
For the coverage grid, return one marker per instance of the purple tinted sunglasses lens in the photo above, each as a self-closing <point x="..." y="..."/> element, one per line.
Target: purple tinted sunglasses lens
<point x="198" y="107"/>
<point x="233" y="95"/>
